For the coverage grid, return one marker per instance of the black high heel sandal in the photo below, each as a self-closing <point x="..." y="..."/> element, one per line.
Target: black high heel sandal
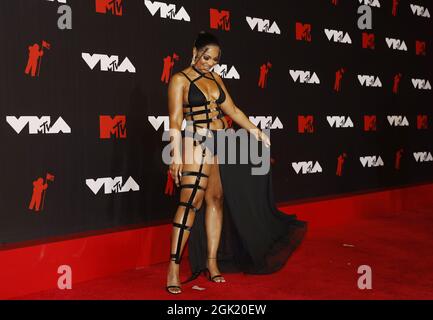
<point x="173" y="257"/>
<point x="212" y="278"/>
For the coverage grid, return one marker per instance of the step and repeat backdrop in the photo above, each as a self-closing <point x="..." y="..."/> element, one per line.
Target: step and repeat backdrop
<point x="344" y="86"/>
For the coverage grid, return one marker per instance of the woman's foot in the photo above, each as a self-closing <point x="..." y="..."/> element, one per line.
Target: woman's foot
<point x="173" y="281"/>
<point x="214" y="273"/>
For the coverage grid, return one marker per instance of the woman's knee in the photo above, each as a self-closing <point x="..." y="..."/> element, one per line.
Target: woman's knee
<point x="215" y="198"/>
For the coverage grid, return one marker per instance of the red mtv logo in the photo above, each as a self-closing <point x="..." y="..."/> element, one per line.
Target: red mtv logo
<point x="370" y="123"/>
<point x="305" y="124"/>
<point x="112" y="126"/>
<point x="303" y="31"/>
<point x="421" y="121"/>
<point x="420" y="48"/>
<point x="113" y="6"/>
<point x="219" y="19"/>
<point x="368" y="40"/>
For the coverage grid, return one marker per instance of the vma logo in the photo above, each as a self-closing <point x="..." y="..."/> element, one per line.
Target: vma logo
<point x="304" y="76"/>
<point x="263" y="25"/>
<point x="421" y="84"/>
<point x="396" y="44"/>
<point x="306" y="124"/>
<point x="219" y="19"/>
<point x="167" y="11"/>
<point x="369" y="81"/>
<point x="371" y="3"/>
<point x="338" y="36"/>
<point x="305" y="167"/>
<point x="398" y="121"/>
<point x="371" y="161"/>
<point x="224" y="72"/>
<point x="112" y="6"/>
<point x="266" y="122"/>
<point x="421" y="122"/>
<point x="370" y="123"/>
<point x="422" y="156"/>
<point x="420" y="11"/>
<point x="303" y="31"/>
<point x="38" y="125"/>
<point x="158" y="121"/>
<point x="367" y="40"/>
<point x="112" y="185"/>
<point x="108" y="63"/>
<point x="115" y="126"/>
<point x="340" y="122"/>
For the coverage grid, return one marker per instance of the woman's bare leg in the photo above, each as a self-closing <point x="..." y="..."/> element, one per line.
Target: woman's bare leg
<point x="214" y="218"/>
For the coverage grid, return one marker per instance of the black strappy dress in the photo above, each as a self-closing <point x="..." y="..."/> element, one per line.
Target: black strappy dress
<point x="256" y="237"/>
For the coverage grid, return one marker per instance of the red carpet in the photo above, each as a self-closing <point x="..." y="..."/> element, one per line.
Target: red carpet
<point x="397" y="246"/>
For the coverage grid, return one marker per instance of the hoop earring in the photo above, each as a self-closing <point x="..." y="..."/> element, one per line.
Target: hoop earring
<point x="193" y="61"/>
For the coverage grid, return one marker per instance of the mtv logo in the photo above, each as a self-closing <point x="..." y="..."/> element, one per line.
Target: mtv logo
<point x="113" y="6"/>
<point x="305" y="124"/>
<point x="219" y="19"/>
<point x="368" y="40"/>
<point x="370" y="123"/>
<point x="109" y="126"/>
<point x="422" y="121"/>
<point x="303" y="31"/>
<point x="420" y="48"/>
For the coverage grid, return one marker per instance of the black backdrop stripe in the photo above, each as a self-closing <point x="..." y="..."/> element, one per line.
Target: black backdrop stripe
<point x="80" y="103"/>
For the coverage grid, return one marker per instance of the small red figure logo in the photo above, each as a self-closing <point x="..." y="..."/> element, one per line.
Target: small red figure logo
<point x="397" y="78"/>
<point x="35" y="58"/>
<point x="264" y="69"/>
<point x="169" y="185"/>
<point x="168" y="67"/>
<point x="398" y="156"/>
<point x="38" y="196"/>
<point x="338" y="77"/>
<point x="340" y="162"/>
<point x="394" y="7"/>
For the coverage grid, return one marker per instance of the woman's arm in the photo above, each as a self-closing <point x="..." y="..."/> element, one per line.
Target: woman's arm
<point x="175" y="111"/>
<point x="230" y="109"/>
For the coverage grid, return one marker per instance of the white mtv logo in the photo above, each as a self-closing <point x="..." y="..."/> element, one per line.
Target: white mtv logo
<point x="420" y="11"/>
<point x="266" y="122"/>
<point x="38" y="125"/>
<point x="398" y="121"/>
<point x="396" y="44"/>
<point x="304" y="76"/>
<point x="59" y="1"/>
<point x="222" y="70"/>
<point x="371" y="161"/>
<point x="112" y="185"/>
<point x="108" y="63"/>
<point x="157" y="121"/>
<point x="340" y="121"/>
<point x="421" y="84"/>
<point x="167" y="11"/>
<point x="263" y="25"/>
<point x="422" y="156"/>
<point x="369" y="81"/>
<point x="338" y="36"/>
<point x="371" y="3"/>
<point x="306" y="167"/>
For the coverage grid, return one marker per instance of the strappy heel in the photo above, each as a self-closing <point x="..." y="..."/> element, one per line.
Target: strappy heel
<point x="212" y="278"/>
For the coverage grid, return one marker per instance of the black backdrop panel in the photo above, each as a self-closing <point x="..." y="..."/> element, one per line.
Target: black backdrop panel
<point x="76" y="165"/>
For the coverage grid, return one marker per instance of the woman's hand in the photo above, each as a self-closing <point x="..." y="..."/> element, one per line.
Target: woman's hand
<point x="261" y="136"/>
<point x="176" y="172"/>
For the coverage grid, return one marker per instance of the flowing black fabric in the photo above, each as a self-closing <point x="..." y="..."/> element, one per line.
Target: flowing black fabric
<point x="256" y="237"/>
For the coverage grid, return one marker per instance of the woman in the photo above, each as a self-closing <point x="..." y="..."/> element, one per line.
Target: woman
<point x="199" y="96"/>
